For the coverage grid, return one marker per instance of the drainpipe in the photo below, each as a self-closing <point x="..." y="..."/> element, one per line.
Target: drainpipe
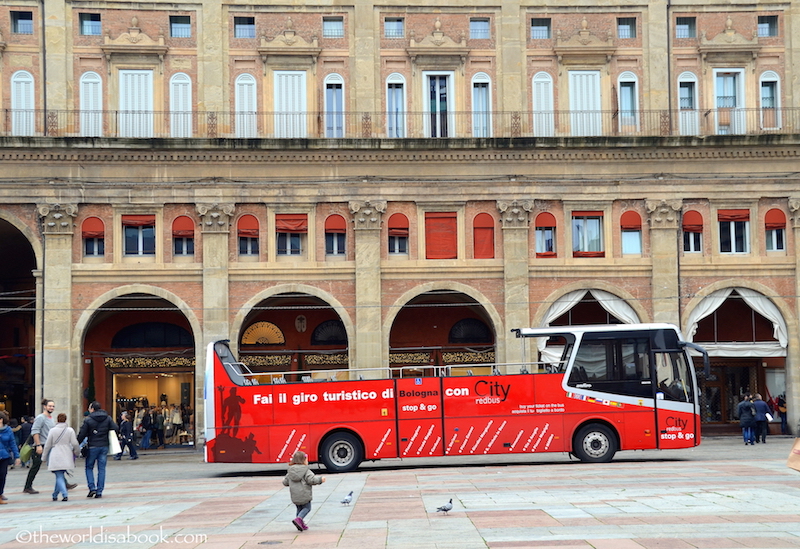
<point x="669" y="65"/>
<point x="44" y="66"/>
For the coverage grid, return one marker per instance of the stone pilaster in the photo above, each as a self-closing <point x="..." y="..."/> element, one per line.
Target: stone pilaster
<point x="368" y="347"/>
<point x="793" y="350"/>
<point x="664" y="221"/>
<point x="515" y="219"/>
<point x="62" y="379"/>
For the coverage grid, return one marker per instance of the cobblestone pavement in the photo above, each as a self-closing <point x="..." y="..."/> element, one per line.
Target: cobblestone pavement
<point x="720" y="495"/>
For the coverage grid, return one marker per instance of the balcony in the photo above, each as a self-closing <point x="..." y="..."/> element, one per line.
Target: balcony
<point x="398" y="125"/>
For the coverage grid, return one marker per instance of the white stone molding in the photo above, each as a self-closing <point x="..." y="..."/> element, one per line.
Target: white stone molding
<point x="216" y="218"/>
<point x="367" y="214"/>
<point x="58" y="218"/>
<point x="515" y="214"/>
<point x="663" y="214"/>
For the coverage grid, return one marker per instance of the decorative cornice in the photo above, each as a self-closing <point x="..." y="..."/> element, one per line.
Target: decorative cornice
<point x="436" y="47"/>
<point x="515" y="214"/>
<point x="728" y="45"/>
<point x="215" y="218"/>
<point x="664" y="214"/>
<point x="584" y="48"/>
<point x="288" y="43"/>
<point x="136" y="42"/>
<point x="367" y="214"/>
<point x="57" y="218"/>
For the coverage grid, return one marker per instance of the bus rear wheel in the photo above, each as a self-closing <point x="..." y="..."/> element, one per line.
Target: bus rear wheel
<point x="594" y="443"/>
<point x="341" y="452"/>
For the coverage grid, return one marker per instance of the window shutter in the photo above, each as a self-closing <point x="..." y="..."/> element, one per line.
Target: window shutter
<point x="248" y="226"/>
<point x="245" y="106"/>
<point x="183" y="226"/>
<point x="138" y="220"/>
<point x="733" y="215"/>
<point x="692" y="222"/>
<point x="441" y="235"/>
<point x="136" y="103"/>
<point x="93" y="227"/>
<point x="22" y="104"/>
<point x="398" y="225"/>
<point x="546" y="219"/>
<point x="291" y="223"/>
<point x="180" y="105"/>
<point x="290" y="103"/>
<point x="483" y="236"/>
<point x="630" y="221"/>
<point x="775" y="219"/>
<point x="335" y="224"/>
<point x="91" y="89"/>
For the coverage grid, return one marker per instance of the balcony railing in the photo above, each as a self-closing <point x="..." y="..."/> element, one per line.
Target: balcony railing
<point x="413" y="125"/>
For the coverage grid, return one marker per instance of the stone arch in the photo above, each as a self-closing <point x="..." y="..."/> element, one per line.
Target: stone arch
<point x="30" y="236"/>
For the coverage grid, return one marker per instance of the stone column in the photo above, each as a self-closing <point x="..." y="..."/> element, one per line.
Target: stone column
<point x="515" y="220"/>
<point x="368" y="346"/>
<point x="61" y="379"/>
<point x="215" y="227"/>
<point x="664" y="220"/>
<point x="793" y="349"/>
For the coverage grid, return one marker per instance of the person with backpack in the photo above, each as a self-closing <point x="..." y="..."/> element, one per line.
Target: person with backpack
<point x="95" y="430"/>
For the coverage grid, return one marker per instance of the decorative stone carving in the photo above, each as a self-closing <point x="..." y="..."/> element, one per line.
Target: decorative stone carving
<point x="794" y="212"/>
<point x="584" y="48"/>
<point x="367" y="214"/>
<point x="515" y="214"/>
<point x="290" y="46"/>
<point x="438" y="49"/>
<point x="728" y="46"/>
<point x="664" y="214"/>
<point x="58" y="218"/>
<point x="134" y="42"/>
<point x="216" y="218"/>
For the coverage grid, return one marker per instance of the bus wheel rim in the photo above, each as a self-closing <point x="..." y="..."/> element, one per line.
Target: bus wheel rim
<point x="596" y="444"/>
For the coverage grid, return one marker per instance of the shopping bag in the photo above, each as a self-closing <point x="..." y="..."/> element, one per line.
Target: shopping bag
<point x="25" y="452"/>
<point x="794" y="456"/>
<point x="113" y="444"/>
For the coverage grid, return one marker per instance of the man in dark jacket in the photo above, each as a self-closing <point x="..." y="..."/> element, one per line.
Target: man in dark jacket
<point x="95" y="429"/>
<point x="126" y="438"/>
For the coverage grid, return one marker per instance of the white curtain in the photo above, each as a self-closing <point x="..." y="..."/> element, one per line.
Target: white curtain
<point x="708" y="305"/>
<point x="616" y="306"/>
<point x="766" y="308"/>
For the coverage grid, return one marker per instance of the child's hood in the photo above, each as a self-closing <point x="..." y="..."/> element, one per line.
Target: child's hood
<point x="296" y="472"/>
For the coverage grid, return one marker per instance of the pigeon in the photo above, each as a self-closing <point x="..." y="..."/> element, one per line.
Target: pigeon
<point x="347" y="499"/>
<point x="446" y="507"/>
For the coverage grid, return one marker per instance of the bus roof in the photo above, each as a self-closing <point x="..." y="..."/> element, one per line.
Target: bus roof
<point x="592" y="328"/>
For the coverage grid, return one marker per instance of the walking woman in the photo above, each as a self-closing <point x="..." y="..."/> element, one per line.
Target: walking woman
<point x="9" y="453"/>
<point x="60" y="452"/>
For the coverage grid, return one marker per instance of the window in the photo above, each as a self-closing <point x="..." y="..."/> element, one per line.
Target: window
<point x="540" y="29"/>
<point x="139" y="233"/>
<point x="136" y="103"/>
<point x="481" y="106"/>
<point x="545" y="235"/>
<point x="290" y="233"/>
<point x="620" y="365"/>
<point x="290" y="104"/>
<point x="775" y="226"/>
<point x="245" y="106"/>
<point x="395" y="106"/>
<point x="770" y="101"/>
<point x="483" y="236"/>
<point x="587" y="234"/>
<point x="479" y="29"/>
<point x="335" y="235"/>
<point x="398" y="234"/>
<point x="626" y="27"/>
<point x="244" y="27"/>
<point x="631" y="226"/>
<point x="334" y="106"/>
<point x="585" y="106"/>
<point x="180" y="26"/>
<point x="688" y="117"/>
<point x="394" y="27"/>
<point x="767" y="25"/>
<point x="439" y="105"/>
<point x="332" y="27"/>
<point x="22" y="22"/>
<point x="180" y="105"/>
<point x="729" y="101"/>
<point x="23" y="113"/>
<point x="692" y="232"/>
<point x="93" y="233"/>
<point x="91" y="103"/>
<point x="247" y="229"/>
<point x="183" y="235"/>
<point x="628" y="101"/>
<point x="90" y="24"/>
<point x="441" y="235"/>
<point x="543" y="114"/>
<point x="686" y="27"/>
<point x="734" y="231"/>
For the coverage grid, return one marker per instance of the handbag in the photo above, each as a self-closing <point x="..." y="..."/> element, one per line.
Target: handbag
<point x="794" y="456"/>
<point x="25" y="452"/>
<point x="113" y="443"/>
<point x="769" y="416"/>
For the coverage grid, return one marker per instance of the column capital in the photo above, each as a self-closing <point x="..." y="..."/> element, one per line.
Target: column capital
<point x="367" y="214"/>
<point x="794" y="212"/>
<point x="664" y="214"/>
<point x="216" y="218"/>
<point x="516" y="214"/>
<point x="58" y="218"/>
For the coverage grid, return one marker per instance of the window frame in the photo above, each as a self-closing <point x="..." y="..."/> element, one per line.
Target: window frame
<point x="582" y="235"/>
<point x="335" y="244"/>
<point x="541" y="28"/>
<point x="145" y="240"/>
<point x="19" y="22"/>
<point x="395" y="121"/>
<point x="183" y="245"/>
<point x="775" y="240"/>
<point x="628" y="114"/>
<point x="626" y="26"/>
<point x="686" y="24"/>
<point x="482" y="119"/>
<point x="692" y="242"/>
<point x="244" y="27"/>
<point x="183" y="28"/>
<point x="248" y="246"/>
<point x="477" y="30"/>
<point x="734" y="227"/>
<point x="289" y="244"/>
<point x="333" y="27"/>
<point x="767" y="26"/>
<point x="94" y="246"/>
<point x="334" y="106"/>
<point x="86" y="21"/>
<point x="394" y="33"/>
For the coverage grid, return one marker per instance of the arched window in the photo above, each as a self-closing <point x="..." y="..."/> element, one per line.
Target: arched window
<point x="148" y="335"/>
<point x="334" y="106"/>
<point x="545" y="235"/>
<point x="770" y="101"/>
<point x="688" y="120"/>
<point x="631" y="226"/>
<point x="398" y="234"/>
<point x="93" y="233"/>
<point x="329" y="332"/>
<point x="470" y="331"/>
<point x="245" y="99"/>
<point x="183" y="235"/>
<point x="335" y="235"/>
<point x="543" y="109"/>
<point x="481" y="105"/>
<point x="483" y="236"/>
<point x="775" y="230"/>
<point x="91" y="101"/>
<point x="395" y="105"/>
<point x="23" y="104"/>
<point x="247" y="228"/>
<point x="692" y="232"/>
<point x="180" y="105"/>
<point x="628" y="85"/>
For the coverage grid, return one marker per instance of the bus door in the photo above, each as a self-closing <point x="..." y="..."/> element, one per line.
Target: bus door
<point x="419" y="416"/>
<point x="675" y="400"/>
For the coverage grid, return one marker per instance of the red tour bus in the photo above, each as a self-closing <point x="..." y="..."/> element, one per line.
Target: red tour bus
<point x="594" y="390"/>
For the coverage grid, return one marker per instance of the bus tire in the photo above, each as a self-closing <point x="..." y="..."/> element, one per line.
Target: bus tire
<point x="341" y="452"/>
<point x="594" y="443"/>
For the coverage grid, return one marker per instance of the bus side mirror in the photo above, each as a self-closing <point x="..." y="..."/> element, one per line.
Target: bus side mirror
<point x="699" y="349"/>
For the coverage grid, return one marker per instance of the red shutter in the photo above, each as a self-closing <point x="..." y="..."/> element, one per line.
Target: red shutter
<point x="733" y="215"/>
<point x="483" y="227"/>
<point x="630" y="221"/>
<point x="587" y="214"/>
<point x="93" y="227"/>
<point x="398" y="225"/>
<point x="248" y="226"/>
<point x="775" y="219"/>
<point x="291" y="223"/>
<point x="692" y="222"/>
<point x="335" y="224"/>
<point x="138" y="220"/>
<point x="546" y="219"/>
<point x="183" y="226"/>
<point x="441" y="235"/>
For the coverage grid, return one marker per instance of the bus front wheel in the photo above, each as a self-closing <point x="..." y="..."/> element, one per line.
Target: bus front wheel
<point x="341" y="452"/>
<point x="594" y="443"/>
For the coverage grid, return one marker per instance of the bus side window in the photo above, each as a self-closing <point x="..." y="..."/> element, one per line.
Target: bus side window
<point x="672" y="377"/>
